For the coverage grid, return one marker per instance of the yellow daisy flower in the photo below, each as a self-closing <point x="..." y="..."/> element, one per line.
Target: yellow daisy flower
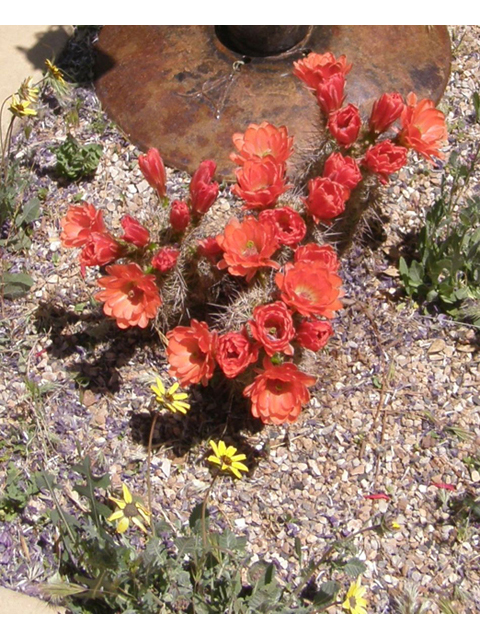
<point x="355" y="602"/>
<point x="28" y="91"/>
<point x="129" y="510"/>
<point x="227" y="458"/>
<point x="54" y="71"/>
<point x="171" y="400"/>
<point x="21" y="108"/>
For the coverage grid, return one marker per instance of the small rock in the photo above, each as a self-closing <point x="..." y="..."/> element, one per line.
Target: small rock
<point x="437" y="346"/>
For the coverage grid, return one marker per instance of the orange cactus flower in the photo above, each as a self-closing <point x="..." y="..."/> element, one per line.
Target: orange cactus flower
<point x="79" y="224"/>
<point x="310" y="288"/>
<point x="101" y="249"/>
<point x="384" y="159"/>
<point x="331" y="93"/>
<point x="261" y="142"/>
<point x="247" y="246"/>
<point x="345" y="124"/>
<point x="203" y="191"/>
<point x="278" y="392"/>
<point x="191" y="353"/>
<point x="235" y="353"/>
<point x="210" y="249"/>
<point x="260" y="183"/>
<point x="130" y="296"/>
<point x="291" y="228"/>
<point x="342" y="169"/>
<point x="423" y="127"/>
<point x="272" y="327"/>
<point x="135" y="232"/>
<point x="326" y="199"/>
<point x="165" y="259"/>
<point x="153" y="169"/>
<point x="319" y="67"/>
<point x="385" y="111"/>
<point x="322" y="253"/>
<point x="179" y="216"/>
<point x="314" y="334"/>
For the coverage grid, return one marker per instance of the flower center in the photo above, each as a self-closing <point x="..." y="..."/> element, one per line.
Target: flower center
<point x="250" y="249"/>
<point x="131" y="510"/>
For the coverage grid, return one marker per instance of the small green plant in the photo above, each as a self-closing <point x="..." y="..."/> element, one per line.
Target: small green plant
<point x="180" y="568"/>
<point x="76" y="161"/>
<point x="447" y="268"/>
<point x="17" y="492"/>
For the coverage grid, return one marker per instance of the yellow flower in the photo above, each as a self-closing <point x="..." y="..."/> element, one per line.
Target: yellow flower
<point x="21" y="108"/>
<point x="226" y="459"/>
<point x="54" y="71"/>
<point x="355" y="603"/>
<point x="395" y="525"/>
<point x="28" y="91"/>
<point x="129" y="510"/>
<point x="170" y="399"/>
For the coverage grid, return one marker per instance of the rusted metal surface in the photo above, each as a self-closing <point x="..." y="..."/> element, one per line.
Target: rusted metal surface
<point x="178" y="88"/>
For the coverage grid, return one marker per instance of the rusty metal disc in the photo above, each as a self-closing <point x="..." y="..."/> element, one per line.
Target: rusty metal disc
<point x="180" y="89"/>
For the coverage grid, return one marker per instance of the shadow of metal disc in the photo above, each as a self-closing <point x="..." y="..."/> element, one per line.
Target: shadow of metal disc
<point x="178" y="88"/>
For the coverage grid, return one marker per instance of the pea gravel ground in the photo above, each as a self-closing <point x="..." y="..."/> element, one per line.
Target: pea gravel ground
<point x="396" y="408"/>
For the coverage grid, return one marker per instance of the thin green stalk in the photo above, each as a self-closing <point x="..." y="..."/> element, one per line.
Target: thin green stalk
<point x="325" y="555"/>
<point x="149" y="464"/>
<point x="204" y="509"/>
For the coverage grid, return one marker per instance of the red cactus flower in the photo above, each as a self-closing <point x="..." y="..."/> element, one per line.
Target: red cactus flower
<point x="310" y="288"/>
<point x="317" y="68"/>
<point x="247" y="246"/>
<point x="130" y="296"/>
<point x="235" y="353"/>
<point x="260" y="183"/>
<point x="272" y="326"/>
<point x="345" y="124"/>
<point x="289" y="225"/>
<point x="153" y="169"/>
<point x="203" y="192"/>
<point x="423" y="127"/>
<point x="342" y="169"/>
<point x="210" y="249"/>
<point x="385" y="158"/>
<point x="134" y="232"/>
<point x="377" y="496"/>
<point x="314" y="335"/>
<point x="165" y="259"/>
<point x="324" y="254"/>
<point x="101" y="249"/>
<point x="326" y="199"/>
<point x="79" y="223"/>
<point x="191" y="353"/>
<point x="179" y="216"/>
<point x="385" y="111"/>
<point x="278" y="392"/>
<point x="262" y="142"/>
<point x="331" y="94"/>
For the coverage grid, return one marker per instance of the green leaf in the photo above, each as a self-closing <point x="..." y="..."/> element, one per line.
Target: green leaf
<point x="31" y="211"/>
<point x="354" y="568"/>
<point x="298" y="549"/>
<point x="476" y="106"/>
<point x="15" y="285"/>
<point x="196" y="515"/>
<point x="327" y="593"/>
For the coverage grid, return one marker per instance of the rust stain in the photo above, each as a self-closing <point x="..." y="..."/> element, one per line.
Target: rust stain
<point x="180" y="89"/>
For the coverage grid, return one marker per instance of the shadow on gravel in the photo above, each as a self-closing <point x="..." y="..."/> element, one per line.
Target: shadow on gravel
<point x="97" y="348"/>
<point x="214" y="415"/>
